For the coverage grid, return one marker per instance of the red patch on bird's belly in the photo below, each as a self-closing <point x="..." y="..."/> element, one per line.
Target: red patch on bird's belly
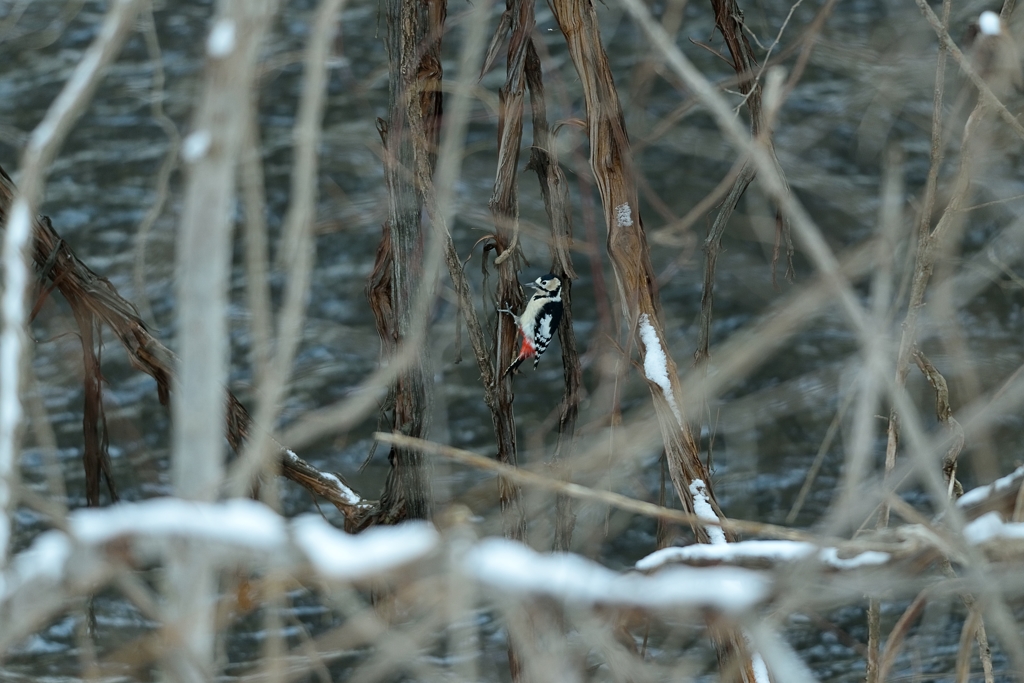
<point x="528" y="349"/>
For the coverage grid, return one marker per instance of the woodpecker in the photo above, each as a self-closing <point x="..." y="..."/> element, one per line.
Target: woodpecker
<point x="539" y="320"/>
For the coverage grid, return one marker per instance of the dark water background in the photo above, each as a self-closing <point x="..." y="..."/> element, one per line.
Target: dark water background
<point x="868" y="83"/>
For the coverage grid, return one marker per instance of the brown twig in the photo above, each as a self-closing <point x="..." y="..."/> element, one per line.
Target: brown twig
<point x="95" y="455"/>
<point x="298" y="247"/>
<point x="729" y="21"/>
<point x="945" y="416"/>
<point x="929" y="241"/>
<point x="610" y="498"/>
<point x="504" y="205"/>
<point x="612" y="164"/>
<point x="988" y="98"/>
<point x="944" y="413"/>
<point x="898" y="635"/>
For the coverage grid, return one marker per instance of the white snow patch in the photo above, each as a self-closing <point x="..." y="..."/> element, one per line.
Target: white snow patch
<point x="44" y="558"/>
<point x="237" y="522"/>
<point x="623" y="215"/>
<point x="774" y="551"/>
<point x="990" y="23"/>
<point x="511" y="566"/>
<point x="756" y="661"/>
<point x="702" y="508"/>
<point x="196" y="145"/>
<point x="221" y="41"/>
<point x="974" y="496"/>
<point x="830" y="556"/>
<point x="351" y="497"/>
<point x="656" y="363"/>
<point x="760" y="669"/>
<point x="991" y="526"/>
<point x="12" y="309"/>
<point x="339" y="555"/>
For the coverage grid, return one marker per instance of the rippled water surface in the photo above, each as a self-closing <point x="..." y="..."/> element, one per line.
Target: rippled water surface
<point x="868" y="84"/>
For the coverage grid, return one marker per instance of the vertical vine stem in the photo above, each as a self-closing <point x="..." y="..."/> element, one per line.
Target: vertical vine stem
<point x="555" y="191"/>
<point x="612" y="164"/>
<point x="504" y="205"/>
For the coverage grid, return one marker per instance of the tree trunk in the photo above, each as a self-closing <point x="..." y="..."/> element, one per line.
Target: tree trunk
<point x="410" y="138"/>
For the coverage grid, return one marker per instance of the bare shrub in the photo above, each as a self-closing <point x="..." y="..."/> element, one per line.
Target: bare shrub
<point x="628" y="517"/>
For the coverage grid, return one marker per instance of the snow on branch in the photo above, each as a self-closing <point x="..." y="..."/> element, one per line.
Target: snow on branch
<point x="510" y="566"/>
<point x="45" y="559"/>
<point x="770" y="552"/>
<point x="248" y="525"/>
<point x="702" y="508"/>
<point x="830" y="557"/>
<point x="1004" y="485"/>
<point x="237" y="522"/>
<point x="59" y="566"/>
<point x="41" y="579"/>
<point x="337" y="555"/>
<point x="656" y="362"/>
<point x="760" y="553"/>
<point x="990" y="526"/>
<point x="346" y="495"/>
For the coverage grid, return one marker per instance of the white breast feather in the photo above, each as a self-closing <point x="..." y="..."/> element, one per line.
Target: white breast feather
<point x="544" y="333"/>
<point x="529" y="317"/>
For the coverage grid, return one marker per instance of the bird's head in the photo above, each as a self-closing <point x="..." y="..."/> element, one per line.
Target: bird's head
<point x="547" y="283"/>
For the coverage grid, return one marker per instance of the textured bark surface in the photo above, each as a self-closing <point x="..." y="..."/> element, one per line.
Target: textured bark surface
<point x="504" y="205"/>
<point x="410" y="138"/>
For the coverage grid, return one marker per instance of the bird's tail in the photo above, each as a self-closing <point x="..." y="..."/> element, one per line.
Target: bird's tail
<point x="514" y="366"/>
<point x="527" y="350"/>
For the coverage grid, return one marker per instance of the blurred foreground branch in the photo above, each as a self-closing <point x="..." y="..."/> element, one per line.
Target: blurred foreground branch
<point x="96" y="545"/>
